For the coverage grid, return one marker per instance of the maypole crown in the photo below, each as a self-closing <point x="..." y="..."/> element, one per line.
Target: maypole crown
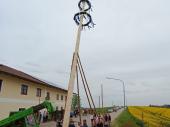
<point x="83" y="12"/>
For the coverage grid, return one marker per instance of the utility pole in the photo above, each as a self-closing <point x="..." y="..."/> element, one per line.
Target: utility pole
<point x="102" y="94"/>
<point x="99" y="101"/>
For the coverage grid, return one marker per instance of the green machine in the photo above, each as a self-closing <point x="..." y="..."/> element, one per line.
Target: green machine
<point x="26" y="117"/>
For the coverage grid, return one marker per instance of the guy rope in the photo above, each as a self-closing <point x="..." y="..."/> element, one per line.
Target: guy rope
<point x="83" y="19"/>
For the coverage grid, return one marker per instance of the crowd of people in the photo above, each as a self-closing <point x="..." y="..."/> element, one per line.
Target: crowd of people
<point x="43" y="116"/>
<point x="96" y="121"/>
<point x="101" y="120"/>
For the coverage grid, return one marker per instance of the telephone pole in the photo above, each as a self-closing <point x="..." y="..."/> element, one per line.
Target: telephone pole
<point x="99" y="101"/>
<point x="102" y="94"/>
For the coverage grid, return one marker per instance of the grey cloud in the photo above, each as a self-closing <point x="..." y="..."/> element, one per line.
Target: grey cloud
<point x="130" y="41"/>
<point x="61" y="72"/>
<point x="32" y="64"/>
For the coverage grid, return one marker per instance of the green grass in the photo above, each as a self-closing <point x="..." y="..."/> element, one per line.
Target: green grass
<point x="101" y="110"/>
<point x="125" y="119"/>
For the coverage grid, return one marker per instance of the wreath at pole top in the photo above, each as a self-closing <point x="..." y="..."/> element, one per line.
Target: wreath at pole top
<point x="80" y="4"/>
<point x="84" y="12"/>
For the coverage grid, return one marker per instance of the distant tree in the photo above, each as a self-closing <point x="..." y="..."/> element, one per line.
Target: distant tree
<point x="75" y="102"/>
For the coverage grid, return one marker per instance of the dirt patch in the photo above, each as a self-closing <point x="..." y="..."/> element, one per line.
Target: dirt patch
<point x="48" y="124"/>
<point x="129" y="124"/>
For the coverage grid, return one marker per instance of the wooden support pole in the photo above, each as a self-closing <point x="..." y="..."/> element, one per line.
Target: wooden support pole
<point x="78" y="92"/>
<point x="85" y="87"/>
<point x="79" y="62"/>
<point x="72" y="75"/>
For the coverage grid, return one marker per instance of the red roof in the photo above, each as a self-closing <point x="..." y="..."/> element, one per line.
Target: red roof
<point x="22" y="75"/>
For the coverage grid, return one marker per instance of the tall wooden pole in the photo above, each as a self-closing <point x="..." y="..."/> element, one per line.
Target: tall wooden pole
<point x="72" y="75"/>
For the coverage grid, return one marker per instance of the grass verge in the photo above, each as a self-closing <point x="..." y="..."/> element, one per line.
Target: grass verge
<point x="125" y="119"/>
<point x="102" y="110"/>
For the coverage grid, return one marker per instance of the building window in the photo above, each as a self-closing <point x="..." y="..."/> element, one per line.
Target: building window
<point x="57" y="97"/>
<point x="38" y="92"/>
<point x="61" y="108"/>
<point x="24" y="89"/>
<point x="0" y="84"/>
<point x="65" y="98"/>
<point x="48" y="96"/>
<point x="56" y="108"/>
<point x="62" y="97"/>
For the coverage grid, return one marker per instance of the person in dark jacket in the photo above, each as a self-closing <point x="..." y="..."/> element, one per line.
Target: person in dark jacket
<point x="100" y="123"/>
<point x="59" y="124"/>
<point x="85" y="123"/>
<point x="109" y="119"/>
<point x="71" y="123"/>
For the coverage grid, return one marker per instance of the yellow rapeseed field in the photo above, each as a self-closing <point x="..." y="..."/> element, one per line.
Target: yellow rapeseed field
<point x="151" y="116"/>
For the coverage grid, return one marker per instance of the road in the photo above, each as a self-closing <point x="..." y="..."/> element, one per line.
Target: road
<point x="53" y="124"/>
<point x="115" y="115"/>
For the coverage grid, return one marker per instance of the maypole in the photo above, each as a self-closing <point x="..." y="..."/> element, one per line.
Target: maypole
<point x="79" y="18"/>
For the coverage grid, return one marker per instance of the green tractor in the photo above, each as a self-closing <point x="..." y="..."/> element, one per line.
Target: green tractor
<point x="26" y="117"/>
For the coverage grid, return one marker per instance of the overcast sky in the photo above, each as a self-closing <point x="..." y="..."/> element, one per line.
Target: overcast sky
<point x="131" y="41"/>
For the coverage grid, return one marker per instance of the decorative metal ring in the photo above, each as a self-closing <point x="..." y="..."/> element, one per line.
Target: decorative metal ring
<point x="87" y="2"/>
<point x="77" y="18"/>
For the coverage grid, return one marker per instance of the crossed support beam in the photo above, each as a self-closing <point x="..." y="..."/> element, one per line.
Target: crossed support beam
<point x="79" y="69"/>
<point x="86" y="86"/>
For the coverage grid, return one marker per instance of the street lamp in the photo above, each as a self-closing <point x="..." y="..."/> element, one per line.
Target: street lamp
<point x="124" y="96"/>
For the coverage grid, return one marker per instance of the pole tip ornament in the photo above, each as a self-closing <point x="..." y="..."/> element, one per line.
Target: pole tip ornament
<point x="87" y="19"/>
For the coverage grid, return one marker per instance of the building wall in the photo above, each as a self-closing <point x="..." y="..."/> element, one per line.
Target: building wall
<point x="11" y="98"/>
